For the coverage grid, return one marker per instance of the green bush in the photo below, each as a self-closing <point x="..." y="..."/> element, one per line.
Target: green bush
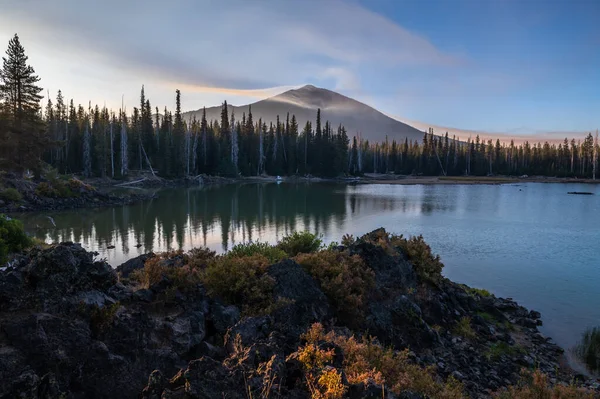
<point x="57" y="189"/>
<point x="12" y="237"/>
<point x="464" y="329"/>
<point x="273" y="254"/>
<point x="498" y="349"/>
<point x="45" y="189"/>
<point x="301" y="242"/>
<point x="418" y="252"/>
<point x="588" y="349"/>
<point x="344" y="279"/>
<point x="241" y="281"/>
<point x="10" y="195"/>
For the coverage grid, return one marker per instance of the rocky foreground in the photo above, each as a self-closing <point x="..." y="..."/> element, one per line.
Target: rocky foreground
<point x="353" y="321"/>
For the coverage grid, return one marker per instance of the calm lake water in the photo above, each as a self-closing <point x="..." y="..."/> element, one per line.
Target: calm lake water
<point x="532" y="242"/>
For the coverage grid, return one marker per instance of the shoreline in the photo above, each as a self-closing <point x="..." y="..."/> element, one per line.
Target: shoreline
<point x="185" y="322"/>
<point x="104" y="195"/>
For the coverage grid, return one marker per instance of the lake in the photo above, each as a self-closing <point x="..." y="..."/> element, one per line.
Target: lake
<point x="532" y="242"/>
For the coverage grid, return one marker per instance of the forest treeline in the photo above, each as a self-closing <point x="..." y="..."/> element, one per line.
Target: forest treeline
<point x="94" y="141"/>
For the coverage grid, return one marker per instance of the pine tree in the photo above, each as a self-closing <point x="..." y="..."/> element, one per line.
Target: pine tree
<point x="24" y="139"/>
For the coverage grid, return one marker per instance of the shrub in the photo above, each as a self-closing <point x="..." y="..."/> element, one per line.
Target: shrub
<point x="301" y="242"/>
<point x="102" y="318"/>
<point x="12" y="237"/>
<point x="535" y="385"/>
<point x="366" y="360"/>
<point x="464" y="329"/>
<point x="426" y="265"/>
<point x="273" y="254"/>
<point x="241" y="281"/>
<point x="348" y="239"/>
<point x="55" y="188"/>
<point x="499" y="349"/>
<point x="10" y="195"/>
<point x="588" y="349"/>
<point x="200" y="257"/>
<point x="478" y="291"/>
<point x="344" y="279"/>
<point x="76" y="185"/>
<point x="45" y="189"/>
<point x="172" y="265"/>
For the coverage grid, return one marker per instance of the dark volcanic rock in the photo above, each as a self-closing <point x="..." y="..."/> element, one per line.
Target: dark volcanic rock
<point x="70" y="329"/>
<point x="125" y="269"/>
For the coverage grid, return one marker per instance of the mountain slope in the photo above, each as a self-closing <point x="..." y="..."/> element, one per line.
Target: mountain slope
<point x="304" y="102"/>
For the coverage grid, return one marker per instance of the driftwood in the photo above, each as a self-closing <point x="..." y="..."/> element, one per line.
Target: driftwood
<point x="580" y="193"/>
<point x="130" y="182"/>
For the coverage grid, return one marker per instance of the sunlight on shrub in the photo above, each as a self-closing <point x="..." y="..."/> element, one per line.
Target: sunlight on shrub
<point x="273" y="254"/>
<point x="478" y="291"/>
<point x="300" y="242"/>
<point x="536" y="386"/>
<point x="322" y="380"/>
<point x="366" y="360"/>
<point x="12" y="237"/>
<point x="588" y="349"/>
<point x="344" y="279"/>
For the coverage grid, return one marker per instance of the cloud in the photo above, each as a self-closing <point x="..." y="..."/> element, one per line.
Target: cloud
<point x="244" y="46"/>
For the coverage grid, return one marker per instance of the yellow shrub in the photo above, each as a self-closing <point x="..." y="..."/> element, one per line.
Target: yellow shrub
<point x="366" y="360"/>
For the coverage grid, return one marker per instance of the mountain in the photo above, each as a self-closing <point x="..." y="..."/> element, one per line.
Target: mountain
<point x="336" y="108"/>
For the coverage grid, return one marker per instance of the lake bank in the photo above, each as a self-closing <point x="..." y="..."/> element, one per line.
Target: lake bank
<point x="125" y="333"/>
<point x="100" y="192"/>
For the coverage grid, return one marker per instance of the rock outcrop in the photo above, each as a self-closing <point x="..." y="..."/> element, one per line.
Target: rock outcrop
<point x="72" y="327"/>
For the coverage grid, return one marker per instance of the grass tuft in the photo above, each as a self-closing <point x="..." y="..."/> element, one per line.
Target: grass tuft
<point x="588" y="349"/>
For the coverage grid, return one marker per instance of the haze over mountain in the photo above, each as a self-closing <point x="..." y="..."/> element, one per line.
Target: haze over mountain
<point x="335" y="108"/>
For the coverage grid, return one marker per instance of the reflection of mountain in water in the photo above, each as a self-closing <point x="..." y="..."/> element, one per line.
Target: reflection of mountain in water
<point x="219" y="217"/>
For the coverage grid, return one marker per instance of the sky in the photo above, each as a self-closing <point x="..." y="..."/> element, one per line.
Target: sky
<point x="529" y="67"/>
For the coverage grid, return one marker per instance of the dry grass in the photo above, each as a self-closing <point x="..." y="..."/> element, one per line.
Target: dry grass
<point x="536" y="386"/>
<point x="365" y="360"/>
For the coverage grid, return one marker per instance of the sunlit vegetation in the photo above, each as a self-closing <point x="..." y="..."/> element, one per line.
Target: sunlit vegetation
<point x="366" y="360"/>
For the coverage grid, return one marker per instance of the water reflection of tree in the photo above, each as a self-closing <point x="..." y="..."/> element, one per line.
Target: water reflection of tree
<point x="178" y="217"/>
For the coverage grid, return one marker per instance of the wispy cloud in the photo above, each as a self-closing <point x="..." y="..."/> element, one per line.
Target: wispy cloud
<point x="207" y="46"/>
